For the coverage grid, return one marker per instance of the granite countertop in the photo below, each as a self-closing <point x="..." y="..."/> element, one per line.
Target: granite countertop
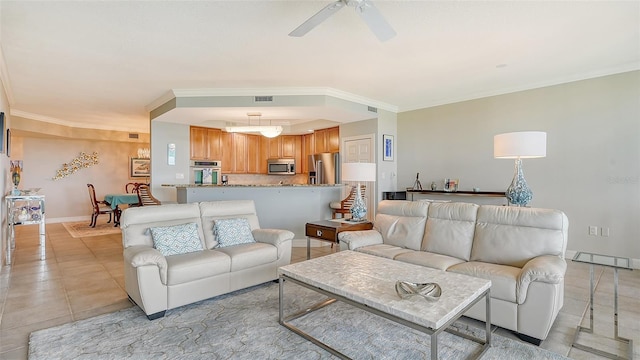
<point x="249" y="185"/>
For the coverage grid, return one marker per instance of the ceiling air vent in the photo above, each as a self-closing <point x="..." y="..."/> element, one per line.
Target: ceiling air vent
<point x="372" y="109"/>
<point x="262" y="98"/>
<point x="133" y="136"/>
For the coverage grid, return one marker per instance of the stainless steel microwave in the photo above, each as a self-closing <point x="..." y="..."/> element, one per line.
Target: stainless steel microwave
<point x="281" y="166"/>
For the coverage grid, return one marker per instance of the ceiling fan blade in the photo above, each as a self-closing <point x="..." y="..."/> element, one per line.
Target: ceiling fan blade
<point x="376" y="22"/>
<point x="316" y="19"/>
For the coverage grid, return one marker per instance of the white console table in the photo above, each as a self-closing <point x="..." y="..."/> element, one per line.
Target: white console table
<point x="24" y="210"/>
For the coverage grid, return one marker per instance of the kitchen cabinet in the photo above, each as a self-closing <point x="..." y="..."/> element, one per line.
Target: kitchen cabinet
<point x="234" y="154"/>
<point x="308" y="148"/>
<point x="333" y="139"/>
<point x="327" y="140"/>
<point x="254" y="159"/>
<point x="205" y="143"/>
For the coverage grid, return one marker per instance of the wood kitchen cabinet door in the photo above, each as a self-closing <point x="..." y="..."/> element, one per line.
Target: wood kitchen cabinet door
<point x="214" y="140"/>
<point x="289" y="146"/>
<point x="333" y="139"/>
<point x="228" y="158"/>
<point x="308" y="148"/>
<point x="253" y="154"/>
<point x="321" y="144"/>
<point x="240" y="153"/>
<point x="264" y="154"/>
<point x="275" y="147"/>
<point x="198" y="143"/>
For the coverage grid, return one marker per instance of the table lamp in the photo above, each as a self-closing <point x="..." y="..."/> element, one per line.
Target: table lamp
<point x="519" y="145"/>
<point x="358" y="172"/>
<point x="16" y="173"/>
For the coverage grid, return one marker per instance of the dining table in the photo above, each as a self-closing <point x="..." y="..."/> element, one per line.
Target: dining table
<point x="118" y="199"/>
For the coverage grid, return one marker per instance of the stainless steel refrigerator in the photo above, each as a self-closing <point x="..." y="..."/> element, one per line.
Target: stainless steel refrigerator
<point x="324" y="168"/>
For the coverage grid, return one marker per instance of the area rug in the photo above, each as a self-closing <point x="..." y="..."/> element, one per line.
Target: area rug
<point x="244" y="325"/>
<point x="82" y="229"/>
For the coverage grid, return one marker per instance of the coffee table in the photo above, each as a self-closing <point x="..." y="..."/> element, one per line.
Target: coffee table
<point x="351" y="277"/>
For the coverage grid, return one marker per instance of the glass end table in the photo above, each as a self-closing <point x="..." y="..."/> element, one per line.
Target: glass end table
<point x="616" y="263"/>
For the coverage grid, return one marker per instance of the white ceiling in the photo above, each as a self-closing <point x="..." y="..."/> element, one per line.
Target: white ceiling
<point x="105" y="64"/>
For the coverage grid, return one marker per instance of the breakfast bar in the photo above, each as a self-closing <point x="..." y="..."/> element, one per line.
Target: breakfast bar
<point x="287" y="206"/>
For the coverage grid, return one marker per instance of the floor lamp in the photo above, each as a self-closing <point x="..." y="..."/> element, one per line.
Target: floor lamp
<point x="358" y="172"/>
<point x="519" y="145"/>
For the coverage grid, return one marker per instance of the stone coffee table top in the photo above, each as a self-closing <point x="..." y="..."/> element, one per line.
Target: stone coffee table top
<point x="370" y="280"/>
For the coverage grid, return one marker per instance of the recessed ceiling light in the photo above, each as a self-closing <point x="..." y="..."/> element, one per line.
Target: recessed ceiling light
<point x="500" y="66"/>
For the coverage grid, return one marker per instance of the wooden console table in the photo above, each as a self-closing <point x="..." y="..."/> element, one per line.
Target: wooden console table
<point x="328" y="230"/>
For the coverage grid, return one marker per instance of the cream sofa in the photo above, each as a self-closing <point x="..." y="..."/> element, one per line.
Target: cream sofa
<point x="521" y="250"/>
<point x="157" y="283"/>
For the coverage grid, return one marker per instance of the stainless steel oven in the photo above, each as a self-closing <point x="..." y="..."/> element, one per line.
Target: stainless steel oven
<point x="206" y="172"/>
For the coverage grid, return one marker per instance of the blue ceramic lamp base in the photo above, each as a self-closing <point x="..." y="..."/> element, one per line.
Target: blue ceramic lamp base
<point x="519" y="193"/>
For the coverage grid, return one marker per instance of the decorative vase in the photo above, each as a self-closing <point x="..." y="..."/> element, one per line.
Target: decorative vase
<point x="519" y="193"/>
<point x="358" y="209"/>
<point x="23" y="216"/>
<point x="434" y="186"/>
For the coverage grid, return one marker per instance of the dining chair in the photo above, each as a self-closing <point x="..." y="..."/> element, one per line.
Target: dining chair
<point x="131" y="187"/>
<point x="99" y="207"/>
<point x="344" y="207"/>
<point x="144" y="196"/>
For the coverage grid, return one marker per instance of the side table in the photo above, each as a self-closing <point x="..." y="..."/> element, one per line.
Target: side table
<point x="25" y="210"/>
<point x="616" y="263"/>
<point x="328" y="230"/>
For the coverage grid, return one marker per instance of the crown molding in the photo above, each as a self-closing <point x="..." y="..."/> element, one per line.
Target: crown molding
<point x="295" y="91"/>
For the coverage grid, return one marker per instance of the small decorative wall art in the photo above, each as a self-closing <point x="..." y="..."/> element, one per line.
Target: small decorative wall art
<point x="81" y="162"/>
<point x="387" y="147"/>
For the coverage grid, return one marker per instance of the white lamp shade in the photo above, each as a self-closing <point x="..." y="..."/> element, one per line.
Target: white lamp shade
<point x="523" y="144"/>
<point x="359" y="172"/>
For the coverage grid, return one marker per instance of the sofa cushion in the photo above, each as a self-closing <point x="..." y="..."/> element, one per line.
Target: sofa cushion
<point x="519" y="233"/>
<point x="401" y="223"/>
<point x="136" y="221"/>
<point x="185" y="268"/>
<point x="250" y="255"/>
<point x="176" y="239"/>
<point x="432" y="260"/>
<point x="383" y="250"/>
<point x="449" y="230"/>
<point x="230" y="232"/>
<point x="212" y="210"/>
<point x="503" y="278"/>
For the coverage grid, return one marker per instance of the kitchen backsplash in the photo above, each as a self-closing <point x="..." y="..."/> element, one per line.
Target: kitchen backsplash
<point x="249" y="179"/>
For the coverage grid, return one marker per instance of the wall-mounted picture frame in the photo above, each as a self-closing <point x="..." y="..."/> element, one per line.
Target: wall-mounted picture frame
<point x="139" y="168"/>
<point x="8" y="142"/>
<point x="387" y="147"/>
<point x="450" y="185"/>
<point x="2" y="148"/>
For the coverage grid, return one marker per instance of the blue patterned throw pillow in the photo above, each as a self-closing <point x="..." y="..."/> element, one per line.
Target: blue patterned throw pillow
<point x="231" y="232"/>
<point x="177" y="239"/>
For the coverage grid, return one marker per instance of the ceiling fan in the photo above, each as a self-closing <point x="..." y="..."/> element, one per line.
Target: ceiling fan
<point x="365" y="8"/>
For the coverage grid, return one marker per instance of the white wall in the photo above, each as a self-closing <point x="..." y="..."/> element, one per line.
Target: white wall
<point x="162" y="134"/>
<point x="592" y="168"/>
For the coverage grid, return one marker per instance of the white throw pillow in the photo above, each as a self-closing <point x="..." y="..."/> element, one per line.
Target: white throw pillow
<point x="177" y="239"/>
<point x="231" y="232"/>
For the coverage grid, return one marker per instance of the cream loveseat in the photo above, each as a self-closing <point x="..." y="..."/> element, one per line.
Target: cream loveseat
<point x="521" y="250"/>
<point x="157" y="283"/>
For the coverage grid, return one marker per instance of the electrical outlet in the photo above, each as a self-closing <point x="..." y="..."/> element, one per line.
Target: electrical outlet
<point x="604" y="231"/>
<point x="593" y="230"/>
<point x="179" y="176"/>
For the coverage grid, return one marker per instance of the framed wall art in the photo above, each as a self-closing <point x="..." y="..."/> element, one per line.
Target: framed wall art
<point x="450" y="185"/>
<point x="139" y="168"/>
<point x="2" y="148"/>
<point x="387" y="147"/>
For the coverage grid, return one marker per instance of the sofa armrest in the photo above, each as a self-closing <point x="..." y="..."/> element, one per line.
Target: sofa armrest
<point x="547" y="268"/>
<point x="274" y="237"/>
<point x="350" y="240"/>
<point x="141" y="255"/>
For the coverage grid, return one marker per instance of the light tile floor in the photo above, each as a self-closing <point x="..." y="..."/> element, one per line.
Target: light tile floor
<point x="83" y="277"/>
